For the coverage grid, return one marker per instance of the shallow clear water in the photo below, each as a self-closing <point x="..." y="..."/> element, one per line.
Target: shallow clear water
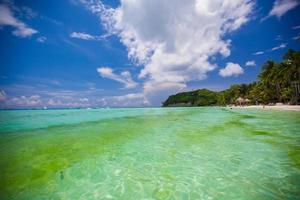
<point x="169" y="153"/>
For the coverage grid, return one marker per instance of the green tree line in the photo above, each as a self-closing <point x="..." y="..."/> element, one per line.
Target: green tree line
<point x="277" y="82"/>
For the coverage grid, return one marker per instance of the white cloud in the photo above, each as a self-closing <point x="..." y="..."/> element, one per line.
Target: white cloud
<point x="41" y="39"/>
<point x="296" y="27"/>
<point x="55" y="103"/>
<point x="2" y="96"/>
<point x="83" y="36"/>
<point x="37" y="101"/>
<point x="250" y="63"/>
<point x="128" y="100"/>
<point x="280" y="7"/>
<point x="281" y="46"/>
<point x="156" y="92"/>
<point x="296" y="37"/>
<point x="258" y="53"/>
<point x="231" y="69"/>
<point x="23" y="101"/>
<point x="39" y="96"/>
<point x="86" y="36"/>
<point x="28" y="12"/>
<point x="58" y="103"/>
<point x="84" y="99"/>
<point x="174" y="41"/>
<point x="20" y="28"/>
<point x="124" y="77"/>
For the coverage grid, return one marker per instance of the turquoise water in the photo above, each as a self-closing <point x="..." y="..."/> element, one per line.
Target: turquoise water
<point x="163" y="153"/>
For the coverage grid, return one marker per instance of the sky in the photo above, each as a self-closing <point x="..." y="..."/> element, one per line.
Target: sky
<point x="135" y="53"/>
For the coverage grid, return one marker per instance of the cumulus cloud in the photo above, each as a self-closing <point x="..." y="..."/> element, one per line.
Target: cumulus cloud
<point x="7" y="18"/>
<point x="281" y="46"/>
<point x="86" y="36"/>
<point x="250" y="63"/>
<point x="128" y="100"/>
<point x="14" y="96"/>
<point x="280" y="7"/>
<point x="72" y="103"/>
<point x="24" y="101"/>
<point x="124" y="77"/>
<point x="55" y="103"/>
<point x="37" y="101"/>
<point x="231" y="69"/>
<point x="174" y="41"/>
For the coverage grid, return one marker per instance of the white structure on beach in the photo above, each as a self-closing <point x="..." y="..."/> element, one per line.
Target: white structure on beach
<point x="242" y="102"/>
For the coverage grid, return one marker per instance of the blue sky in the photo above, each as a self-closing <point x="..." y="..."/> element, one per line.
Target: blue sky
<point x="82" y="53"/>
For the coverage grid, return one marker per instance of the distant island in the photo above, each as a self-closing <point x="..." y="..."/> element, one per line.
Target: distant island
<point x="278" y="82"/>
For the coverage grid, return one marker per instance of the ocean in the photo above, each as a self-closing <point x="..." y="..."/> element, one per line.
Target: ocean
<point x="150" y="153"/>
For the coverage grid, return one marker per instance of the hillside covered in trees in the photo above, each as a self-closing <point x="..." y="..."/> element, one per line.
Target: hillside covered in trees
<point x="277" y="82"/>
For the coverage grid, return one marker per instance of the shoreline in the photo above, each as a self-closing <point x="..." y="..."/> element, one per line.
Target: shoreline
<point x="276" y="107"/>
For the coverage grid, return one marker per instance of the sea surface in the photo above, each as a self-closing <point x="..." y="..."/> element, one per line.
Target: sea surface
<point x="151" y="153"/>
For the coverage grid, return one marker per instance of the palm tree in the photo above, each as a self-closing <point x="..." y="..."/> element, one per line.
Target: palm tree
<point x="292" y="72"/>
<point x="268" y="77"/>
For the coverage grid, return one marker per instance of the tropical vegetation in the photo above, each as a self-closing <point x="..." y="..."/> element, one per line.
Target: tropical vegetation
<point x="277" y="82"/>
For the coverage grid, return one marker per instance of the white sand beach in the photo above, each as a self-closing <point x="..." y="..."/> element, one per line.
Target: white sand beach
<point x="275" y="107"/>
